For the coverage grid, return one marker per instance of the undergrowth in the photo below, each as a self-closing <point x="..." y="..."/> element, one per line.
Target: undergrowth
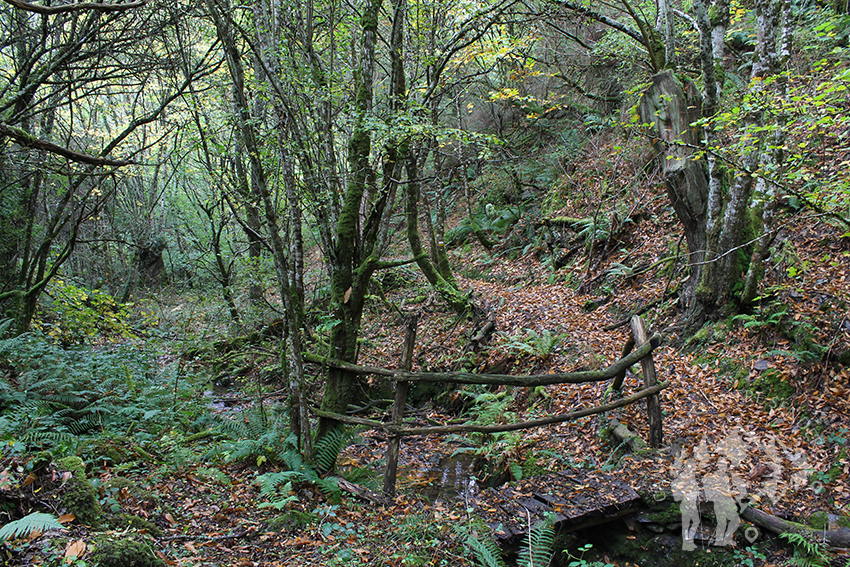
<point x="52" y="397"/>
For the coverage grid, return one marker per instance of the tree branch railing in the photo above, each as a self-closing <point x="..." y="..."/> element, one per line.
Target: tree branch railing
<point x="638" y="349"/>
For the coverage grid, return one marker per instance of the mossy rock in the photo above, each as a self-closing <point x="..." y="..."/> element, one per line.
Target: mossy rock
<point x="79" y="496"/>
<point x="773" y="384"/>
<point x="668" y="513"/>
<point x="125" y="553"/>
<point x="73" y="464"/>
<point x="824" y="521"/>
<point x="124" y="521"/>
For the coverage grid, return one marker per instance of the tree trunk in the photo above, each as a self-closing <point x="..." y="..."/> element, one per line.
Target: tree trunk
<point x="278" y="243"/>
<point x="671" y="107"/>
<point x="350" y="263"/>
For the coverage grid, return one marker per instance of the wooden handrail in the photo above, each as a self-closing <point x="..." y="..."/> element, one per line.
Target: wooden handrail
<point x="529" y="381"/>
<point x="395" y="429"/>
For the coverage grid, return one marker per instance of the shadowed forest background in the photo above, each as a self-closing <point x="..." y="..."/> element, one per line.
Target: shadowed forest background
<point x="213" y="216"/>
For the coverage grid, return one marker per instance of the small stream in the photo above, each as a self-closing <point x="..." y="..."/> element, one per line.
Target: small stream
<point x="449" y="479"/>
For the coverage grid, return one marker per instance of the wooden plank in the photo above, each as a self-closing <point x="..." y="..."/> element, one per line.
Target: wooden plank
<point x="576" y="499"/>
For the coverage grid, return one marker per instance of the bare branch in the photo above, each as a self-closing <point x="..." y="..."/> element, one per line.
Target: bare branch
<point x="75" y="7"/>
<point x="611" y="22"/>
<point x="26" y="139"/>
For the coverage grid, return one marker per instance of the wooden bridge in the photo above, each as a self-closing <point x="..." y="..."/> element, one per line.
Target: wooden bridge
<point x="574" y="499"/>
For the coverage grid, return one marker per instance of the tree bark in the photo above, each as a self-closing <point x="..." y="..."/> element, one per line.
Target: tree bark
<point x="670" y="107"/>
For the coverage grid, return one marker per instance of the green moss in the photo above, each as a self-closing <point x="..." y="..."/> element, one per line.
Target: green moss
<point x="819" y="521"/>
<point x="773" y="384"/>
<point x="669" y="514"/>
<point x="73" y="464"/>
<point x="112" y="450"/>
<point x="844" y="522"/>
<point x="125" y="553"/>
<point x="294" y="519"/>
<point x="80" y="497"/>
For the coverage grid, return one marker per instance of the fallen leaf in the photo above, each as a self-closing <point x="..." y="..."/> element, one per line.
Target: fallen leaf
<point x="74" y="550"/>
<point x="29" y="480"/>
<point x="66" y="518"/>
<point x="5" y="482"/>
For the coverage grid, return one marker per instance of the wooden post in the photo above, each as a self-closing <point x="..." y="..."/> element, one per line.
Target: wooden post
<point x="617" y="385"/>
<point x="394" y="441"/>
<point x="653" y="404"/>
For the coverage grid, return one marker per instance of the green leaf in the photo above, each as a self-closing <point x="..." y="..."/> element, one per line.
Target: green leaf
<point x="31" y="524"/>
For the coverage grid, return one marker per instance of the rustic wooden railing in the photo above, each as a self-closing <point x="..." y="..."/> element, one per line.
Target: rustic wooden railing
<point x="638" y="349"/>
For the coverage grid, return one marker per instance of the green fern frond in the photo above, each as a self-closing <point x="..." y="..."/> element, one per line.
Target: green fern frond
<point x="807" y="551"/>
<point x="70" y="400"/>
<point x="516" y="470"/>
<point x="486" y="552"/>
<point x="329" y="447"/>
<point x="39" y="435"/>
<point x="269" y="482"/>
<point x="329" y="487"/>
<point x="539" y="547"/>
<point x="5" y="325"/>
<point x="29" y="525"/>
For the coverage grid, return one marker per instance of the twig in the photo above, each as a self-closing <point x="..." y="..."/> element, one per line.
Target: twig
<point x="187" y="537"/>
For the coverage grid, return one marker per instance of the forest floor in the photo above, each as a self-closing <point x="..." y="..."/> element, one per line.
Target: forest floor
<point x="746" y="379"/>
<point x="792" y="417"/>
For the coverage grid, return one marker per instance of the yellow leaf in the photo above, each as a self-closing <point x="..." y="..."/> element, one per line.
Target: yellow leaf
<point x="66" y="518"/>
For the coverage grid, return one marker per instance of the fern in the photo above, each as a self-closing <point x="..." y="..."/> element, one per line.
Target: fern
<point x="486" y="552"/>
<point x="329" y="447"/>
<point x="51" y="393"/>
<point x="5" y="325"/>
<point x="539" y="546"/>
<point x="269" y="487"/>
<point x="807" y="551"/>
<point x="30" y="525"/>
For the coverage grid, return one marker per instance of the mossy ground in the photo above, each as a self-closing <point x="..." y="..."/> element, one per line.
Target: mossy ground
<point x="125" y="553"/>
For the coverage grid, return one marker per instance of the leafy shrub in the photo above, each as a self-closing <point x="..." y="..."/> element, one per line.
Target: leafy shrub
<point x="73" y="315"/>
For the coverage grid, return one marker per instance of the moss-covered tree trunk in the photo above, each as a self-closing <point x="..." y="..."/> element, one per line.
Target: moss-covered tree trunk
<point x="351" y="260"/>
<point x="671" y="107"/>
